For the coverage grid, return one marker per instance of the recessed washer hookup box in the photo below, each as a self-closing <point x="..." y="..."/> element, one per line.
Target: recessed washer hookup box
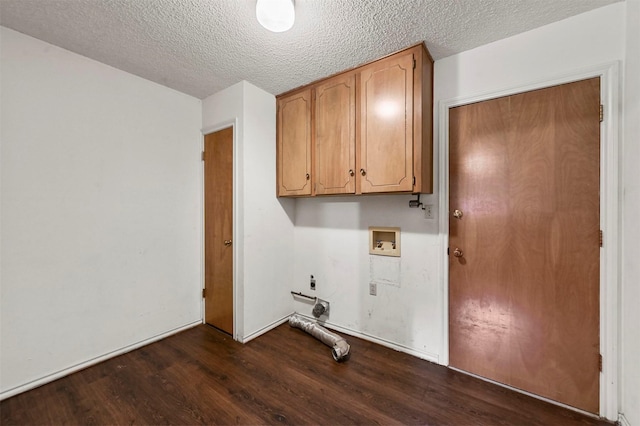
<point x="384" y="241"/>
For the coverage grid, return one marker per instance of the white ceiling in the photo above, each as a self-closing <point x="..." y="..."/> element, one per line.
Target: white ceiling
<point x="202" y="46"/>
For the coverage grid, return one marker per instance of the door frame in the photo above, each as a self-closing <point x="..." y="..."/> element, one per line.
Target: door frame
<point x="237" y="306"/>
<point x="610" y="218"/>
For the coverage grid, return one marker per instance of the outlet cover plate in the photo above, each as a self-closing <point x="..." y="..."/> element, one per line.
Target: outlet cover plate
<point x="428" y="211"/>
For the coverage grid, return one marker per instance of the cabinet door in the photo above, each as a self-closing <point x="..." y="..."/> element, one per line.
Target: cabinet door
<point x="294" y="144"/>
<point x="386" y="125"/>
<point x="335" y="136"/>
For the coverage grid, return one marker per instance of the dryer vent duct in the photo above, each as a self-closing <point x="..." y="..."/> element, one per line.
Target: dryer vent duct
<point x="321" y="308"/>
<point x="339" y="346"/>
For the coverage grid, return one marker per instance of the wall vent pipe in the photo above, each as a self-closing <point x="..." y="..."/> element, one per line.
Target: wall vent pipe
<point x="321" y="308"/>
<point x="339" y="346"/>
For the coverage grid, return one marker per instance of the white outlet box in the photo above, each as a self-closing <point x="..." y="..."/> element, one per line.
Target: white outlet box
<point x="428" y="211"/>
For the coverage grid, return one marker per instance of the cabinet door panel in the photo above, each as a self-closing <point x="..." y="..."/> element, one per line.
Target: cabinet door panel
<point x="335" y="136"/>
<point x="294" y="144"/>
<point x="386" y="126"/>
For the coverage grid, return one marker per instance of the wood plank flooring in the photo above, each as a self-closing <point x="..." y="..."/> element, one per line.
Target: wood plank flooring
<point x="202" y="376"/>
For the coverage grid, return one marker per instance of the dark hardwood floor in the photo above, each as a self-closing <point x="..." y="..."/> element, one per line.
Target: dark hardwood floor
<point x="201" y="376"/>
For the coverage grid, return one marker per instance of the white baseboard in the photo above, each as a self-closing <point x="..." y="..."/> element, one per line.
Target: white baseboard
<point x="65" y="372"/>
<point x="364" y="336"/>
<point x="623" y="420"/>
<point x="265" y="329"/>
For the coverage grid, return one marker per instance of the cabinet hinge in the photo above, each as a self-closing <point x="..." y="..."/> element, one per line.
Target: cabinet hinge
<point x="204" y="292"/>
<point x="601" y="238"/>
<point x="601" y="113"/>
<point x="202" y="156"/>
<point x="447" y="251"/>
<point x="414" y="181"/>
<point x="600" y="362"/>
<point x="414" y="62"/>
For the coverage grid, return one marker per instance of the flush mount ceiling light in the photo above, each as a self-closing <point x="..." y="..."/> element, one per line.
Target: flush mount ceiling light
<point x="275" y="15"/>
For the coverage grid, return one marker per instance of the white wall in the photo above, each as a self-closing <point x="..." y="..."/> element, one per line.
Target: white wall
<point x="331" y="233"/>
<point x="331" y="244"/>
<point x="100" y="207"/>
<point x="585" y="40"/>
<point x="263" y="236"/>
<point x="268" y="221"/>
<point x="630" y="368"/>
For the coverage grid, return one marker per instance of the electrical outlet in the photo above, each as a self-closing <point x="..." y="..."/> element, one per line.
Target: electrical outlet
<point x="312" y="283"/>
<point x="373" y="289"/>
<point x="428" y="211"/>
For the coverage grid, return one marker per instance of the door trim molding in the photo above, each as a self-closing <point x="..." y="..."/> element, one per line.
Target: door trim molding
<point x="610" y="211"/>
<point x="237" y="241"/>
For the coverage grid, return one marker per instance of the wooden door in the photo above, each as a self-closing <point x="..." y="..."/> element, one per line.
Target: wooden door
<point x="335" y="136"/>
<point x="524" y="291"/>
<point x="218" y="228"/>
<point x="293" y="158"/>
<point x="386" y="125"/>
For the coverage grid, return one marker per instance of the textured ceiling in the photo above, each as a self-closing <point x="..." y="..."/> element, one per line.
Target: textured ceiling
<point x="202" y="46"/>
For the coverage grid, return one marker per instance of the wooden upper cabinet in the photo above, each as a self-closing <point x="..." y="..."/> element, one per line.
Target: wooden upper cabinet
<point x="335" y="135"/>
<point x="422" y="120"/>
<point x="386" y="126"/>
<point x="371" y="130"/>
<point x="293" y="153"/>
<point x="395" y="148"/>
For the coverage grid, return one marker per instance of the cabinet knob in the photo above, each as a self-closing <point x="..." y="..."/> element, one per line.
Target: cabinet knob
<point x="308" y="176"/>
<point x="351" y="173"/>
<point x="227" y="243"/>
<point x="458" y="253"/>
<point x="363" y="172"/>
<point x="457" y="214"/>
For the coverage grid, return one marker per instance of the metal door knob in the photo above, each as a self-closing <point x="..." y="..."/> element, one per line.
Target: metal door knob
<point x="227" y="243"/>
<point x="457" y="214"/>
<point x="457" y="252"/>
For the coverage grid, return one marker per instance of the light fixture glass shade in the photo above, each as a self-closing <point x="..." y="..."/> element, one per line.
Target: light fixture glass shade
<point x="275" y="15"/>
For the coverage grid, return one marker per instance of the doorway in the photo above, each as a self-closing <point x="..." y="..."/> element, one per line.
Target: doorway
<point x="524" y="240"/>
<point x="218" y="229"/>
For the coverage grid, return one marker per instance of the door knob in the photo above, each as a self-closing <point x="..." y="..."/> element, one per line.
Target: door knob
<point x="457" y="214"/>
<point x="363" y="172"/>
<point x="457" y="252"/>
<point x="351" y="173"/>
<point x="227" y="243"/>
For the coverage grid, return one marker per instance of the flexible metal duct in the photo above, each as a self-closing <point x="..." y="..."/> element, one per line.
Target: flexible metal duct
<point x="339" y="346"/>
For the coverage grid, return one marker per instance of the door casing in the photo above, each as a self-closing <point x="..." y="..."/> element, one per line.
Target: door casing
<point x="609" y="217"/>
<point x="237" y="306"/>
